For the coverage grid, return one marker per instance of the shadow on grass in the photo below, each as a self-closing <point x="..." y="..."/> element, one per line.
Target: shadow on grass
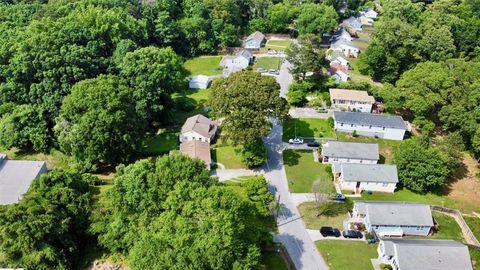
<point x="291" y="157"/>
<point x="303" y="128"/>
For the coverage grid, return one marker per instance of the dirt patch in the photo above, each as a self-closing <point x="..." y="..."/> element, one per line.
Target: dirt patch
<point x="466" y="190"/>
<point x="98" y="265"/>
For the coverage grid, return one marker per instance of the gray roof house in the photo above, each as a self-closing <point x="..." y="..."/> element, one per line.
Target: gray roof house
<point x="255" y="40"/>
<point x="352" y="23"/>
<point x="373" y="125"/>
<point x="16" y="177"/>
<point x="370" y="177"/>
<point x="394" y="218"/>
<point x="234" y="63"/>
<point x="420" y="254"/>
<point x="350" y="152"/>
<point x="198" y="127"/>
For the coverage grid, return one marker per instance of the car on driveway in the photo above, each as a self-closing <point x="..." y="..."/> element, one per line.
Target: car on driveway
<point x="261" y="70"/>
<point x="329" y="231"/>
<point x="313" y="144"/>
<point x="352" y="234"/>
<point x="339" y="197"/>
<point x="295" y="141"/>
<point x="274" y="72"/>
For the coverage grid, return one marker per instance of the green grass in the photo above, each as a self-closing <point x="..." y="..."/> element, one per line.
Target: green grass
<point x="474" y="224"/>
<point x="386" y="147"/>
<point x="161" y="143"/>
<point x="475" y="256"/>
<point x="302" y="171"/>
<point x="308" y="212"/>
<point x="204" y="65"/>
<point x="275" y="44"/>
<point x="197" y="97"/>
<point x="341" y="255"/>
<point x="227" y="155"/>
<point x="447" y="228"/>
<point x="307" y="127"/>
<point x="267" y="63"/>
<point x="272" y="261"/>
<point x="55" y="159"/>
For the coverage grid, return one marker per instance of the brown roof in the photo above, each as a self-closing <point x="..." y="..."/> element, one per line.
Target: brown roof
<point x="200" y="124"/>
<point x="197" y="149"/>
<point x="346" y="94"/>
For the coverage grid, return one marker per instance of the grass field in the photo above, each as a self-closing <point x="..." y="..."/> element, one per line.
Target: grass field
<point x="307" y="127"/>
<point x="308" y="212"/>
<point x="54" y="159"/>
<point x="447" y="228"/>
<point x="160" y="143"/>
<point x="227" y="155"/>
<point x="302" y="171"/>
<point x="386" y="147"/>
<point x="197" y="97"/>
<point x="341" y="255"/>
<point x="474" y="224"/>
<point x="475" y="256"/>
<point x="276" y="44"/>
<point x="205" y="65"/>
<point x="267" y="63"/>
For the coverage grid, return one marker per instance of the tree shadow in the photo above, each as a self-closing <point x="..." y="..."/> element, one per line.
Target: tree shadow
<point x="460" y="172"/>
<point x="291" y="157"/>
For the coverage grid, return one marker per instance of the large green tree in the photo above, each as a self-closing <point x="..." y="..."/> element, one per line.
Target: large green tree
<point x="246" y="99"/>
<point x="316" y="19"/>
<point x="306" y="56"/>
<point x="99" y="124"/>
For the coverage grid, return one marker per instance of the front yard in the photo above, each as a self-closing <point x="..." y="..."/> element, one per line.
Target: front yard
<point x="307" y="127"/>
<point x="341" y="255"/>
<point x="161" y="143"/>
<point x="267" y="63"/>
<point x="302" y="171"/>
<point x="334" y="214"/>
<point x="204" y="65"/>
<point x="226" y="155"/>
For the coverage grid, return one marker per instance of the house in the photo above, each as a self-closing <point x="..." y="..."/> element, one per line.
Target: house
<point x="390" y="127"/>
<point x="339" y="75"/>
<point x="407" y="254"/>
<point x="16" y="177"/>
<point x="353" y="24"/>
<point x="198" y="128"/>
<point x="348" y="48"/>
<point x="197" y="149"/>
<point x="369" y="13"/>
<point x="255" y="41"/>
<point x="393" y="219"/>
<point x="335" y="153"/>
<point x="341" y="34"/>
<point x="369" y="177"/>
<point x="340" y="61"/>
<point x="238" y="62"/>
<point x="199" y="82"/>
<point x="366" y="21"/>
<point x="351" y="100"/>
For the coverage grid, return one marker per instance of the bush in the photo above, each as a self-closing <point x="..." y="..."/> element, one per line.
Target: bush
<point x="296" y="98"/>
<point x="331" y="122"/>
<point x="254" y="154"/>
<point x="354" y="134"/>
<point x="385" y="266"/>
<point x="184" y="104"/>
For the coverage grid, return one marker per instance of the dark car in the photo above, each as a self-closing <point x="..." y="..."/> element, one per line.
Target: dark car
<point x="313" y="144"/>
<point x="352" y="234"/>
<point x="329" y="231"/>
<point x="339" y="197"/>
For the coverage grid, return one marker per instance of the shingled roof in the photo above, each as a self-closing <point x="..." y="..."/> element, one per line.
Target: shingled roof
<point x="382" y="173"/>
<point x="370" y="119"/>
<point x="197" y="149"/>
<point x="257" y="36"/>
<point x="201" y="125"/>
<point x="351" y="150"/>
<point x="395" y="213"/>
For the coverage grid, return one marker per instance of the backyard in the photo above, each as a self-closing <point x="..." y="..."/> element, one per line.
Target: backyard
<point x="278" y="44"/>
<point x="194" y="100"/>
<point x="302" y="171"/>
<point x="307" y="127"/>
<point x="227" y="156"/>
<point x="474" y="224"/>
<point x="340" y="255"/>
<point x="267" y="63"/>
<point x="333" y="214"/>
<point x="204" y="65"/>
<point x="447" y="228"/>
<point x="160" y="143"/>
<point x="386" y="147"/>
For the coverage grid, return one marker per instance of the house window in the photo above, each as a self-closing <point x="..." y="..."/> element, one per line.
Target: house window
<point x="376" y="227"/>
<point x="351" y="125"/>
<point x="370" y="127"/>
<point x="341" y="124"/>
<point x="419" y="228"/>
<point x="385" y="184"/>
<point x="383" y="128"/>
<point x="361" y="160"/>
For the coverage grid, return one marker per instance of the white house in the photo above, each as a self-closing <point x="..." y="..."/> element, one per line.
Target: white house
<point x="369" y="177"/>
<point x="199" y="82"/>
<point x="198" y="128"/>
<point x="335" y="153"/>
<point x="340" y="76"/>
<point x="390" y="127"/>
<point x="353" y="24"/>
<point x="340" y="61"/>
<point x="16" y="177"/>
<point x="393" y="218"/>
<point x="348" y="48"/>
<point x="408" y="254"/>
<point x="255" y="41"/>
<point x="369" y="13"/>
<point x="366" y="21"/>
<point x="238" y="62"/>
<point x="351" y="100"/>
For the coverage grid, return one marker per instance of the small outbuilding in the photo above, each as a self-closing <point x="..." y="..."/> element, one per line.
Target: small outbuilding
<point x="255" y="41"/>
<point x="199" y="82"/>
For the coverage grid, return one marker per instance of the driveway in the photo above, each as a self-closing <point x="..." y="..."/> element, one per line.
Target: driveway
<point x="292" y="232"/>
<point x="308" y="113"/>
<point x="315" y="235"/>
<point x="284" y="78"/>
<point x="226" y="174"/>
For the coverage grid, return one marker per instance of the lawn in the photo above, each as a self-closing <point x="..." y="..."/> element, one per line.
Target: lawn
<point x="447" y="228"/>
<point x="272" y="261"/>
<point x="277" y="44"/>
<point x="196" y="98"/>
<point x="302" y="170"/>
<point x="475" y="256"/>
<point x="307" y="127"/>
<point x="267" y="63"/>
<point x="474" y="224"/>
<point x="161" y="143"/>
<point x="308" y="212"/>
<point x="55" y="159"/>
<point x="205" y="65"/>
<point x="227" y="155"/>
<point x="354" y="255"/>
<point x="386" y="147"/>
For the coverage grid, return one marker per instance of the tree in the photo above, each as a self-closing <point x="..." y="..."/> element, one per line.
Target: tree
<point x="297" y="93"/>
<point x="421" y="167"/>
<point x="437" y="44"/>
<point x="476" y="142"/>
<point x="154" y="74"/>
<point x="246" y="99"/>
<point x="281" y="15"/>
<point x="26" y="128"/>
<point x="253" y="154"/>
<point x="307" y="56"/>
<point x="98" y="123"/>
<point x="321" y="188"/>
<point x="45" y="229"/>
<point x="258" y="193"/>
<point x="316" y="19"/>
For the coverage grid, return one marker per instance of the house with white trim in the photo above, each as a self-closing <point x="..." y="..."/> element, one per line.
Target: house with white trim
<point x="390" y="127"/>
<point x="335" y="153"/>
<point x="351" y="100"/>
<point x="369" y="13"/>
<point x="255" y="40"/>
<point x="198" y="128"/>
<point x="368" y="177"/>
<point x="238" y="62"/>
<point x="409" y="254"/>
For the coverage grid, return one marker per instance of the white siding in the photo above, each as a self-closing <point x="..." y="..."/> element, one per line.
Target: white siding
<point x="193" y="136"/>
<point x="332" y="160"/>
<point x="372" y="131"/>
<point x="394" y="230"/>
<point x="368" y="186"/>
<point x="348" y="105"/>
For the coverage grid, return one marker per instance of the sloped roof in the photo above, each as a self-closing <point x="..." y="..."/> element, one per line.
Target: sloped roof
<point x="420" y="254"/>
<point x="197" y="149"/>
<point x="246" y="54"/>
<point x="201" y="125"/>
<point x="395" y="213"/>
<point x="200" y="79"/>
<point x="351" y="150"/>
<point x="381" y="173"/>
<point x="346" y="94"/>
<point x="370" y="119"/>
<point x="257" y="36"/>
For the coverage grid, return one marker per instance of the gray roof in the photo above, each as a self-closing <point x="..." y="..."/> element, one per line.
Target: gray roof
<point x="395" y="213"/>
<point x="246" y="53"/>
<point x="370" y="119"/>
<point x="382" y="173"/>
<point x="16" y="177"/>
<point x="352" y="22"/>
<point x="351" y="150"/>
<point x="200" y="124"/>
<point x="257" y="36"/>
<point x="429" y="254"/>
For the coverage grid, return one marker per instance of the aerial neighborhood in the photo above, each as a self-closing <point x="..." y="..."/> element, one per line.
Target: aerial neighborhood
<point x="263" y="135"/>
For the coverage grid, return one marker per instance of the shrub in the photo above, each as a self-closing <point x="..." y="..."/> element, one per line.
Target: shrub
<point x="253" y="154"/>
<point x="184" y="104"/>
<point x="331" y="122"/>
<point x="354" y="134"/>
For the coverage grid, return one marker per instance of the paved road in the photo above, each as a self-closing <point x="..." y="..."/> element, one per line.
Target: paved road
<point x="284" y="78"/>
<point x="292" y="232"/>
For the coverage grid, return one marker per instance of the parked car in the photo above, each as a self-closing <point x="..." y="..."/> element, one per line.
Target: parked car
<point x="295" y="141"/>
<point x="339" y="197"/>
<point x="261" y="70"/>
<point x="274" y="72"/>
<point x="352" y="234"/>
<point x="329" y="231"/>
<point x="313" y="144"/>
